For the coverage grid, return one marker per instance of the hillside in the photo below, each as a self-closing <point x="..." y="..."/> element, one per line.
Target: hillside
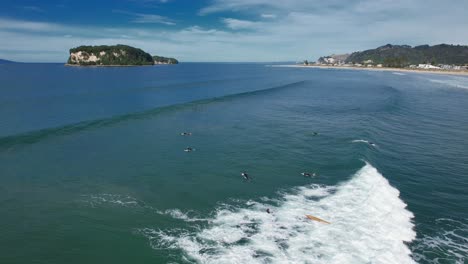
<point x="5" y="61"/>
<point x="404" y="55"/>
<point x="117" y="55"/>
<point x="164" y="60"/>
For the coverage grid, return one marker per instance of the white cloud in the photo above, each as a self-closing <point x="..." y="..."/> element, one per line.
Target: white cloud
<point x="235" y="24"/>
<point x="301" y="30"/>
<point x="268" y="15"/>
<point x="33" y="8"/>
<point x="268" y="5"/>
<point x="147" y="18"/>
<point x="13" y="24"/>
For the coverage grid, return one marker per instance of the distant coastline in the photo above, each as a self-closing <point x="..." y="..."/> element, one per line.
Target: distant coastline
<point x="431" y="71"/>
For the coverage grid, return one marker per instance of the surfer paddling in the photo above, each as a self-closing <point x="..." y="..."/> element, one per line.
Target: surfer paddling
<point x="307" y="174"/>
<point x="186" y="133"/>
<point x="245" y="176"/>
<point x="189" y="149"/>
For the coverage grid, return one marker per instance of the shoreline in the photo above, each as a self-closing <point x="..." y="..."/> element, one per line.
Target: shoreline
<point x="77" y="65"/>
<point x="441" y="72"/>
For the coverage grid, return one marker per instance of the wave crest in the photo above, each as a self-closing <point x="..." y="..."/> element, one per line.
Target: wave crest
<point x="369" y="224"/>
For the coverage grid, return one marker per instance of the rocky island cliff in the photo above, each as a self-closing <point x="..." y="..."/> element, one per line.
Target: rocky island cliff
<point x="164" y="60"/>
<point x="117" y="55"/>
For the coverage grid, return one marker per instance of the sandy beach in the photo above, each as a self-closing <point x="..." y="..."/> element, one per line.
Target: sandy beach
<point x="444" y="72"/>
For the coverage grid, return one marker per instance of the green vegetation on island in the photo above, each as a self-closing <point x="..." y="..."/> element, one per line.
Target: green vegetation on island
<point x="164" y="60"/>
<point x="403" y="55"/>
<point x="117" y="55"/>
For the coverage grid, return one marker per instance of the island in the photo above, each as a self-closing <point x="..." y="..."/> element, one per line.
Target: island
<point x="116" y="55"/>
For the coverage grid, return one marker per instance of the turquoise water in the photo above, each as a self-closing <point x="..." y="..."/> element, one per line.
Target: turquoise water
<point x="93" y="168"/>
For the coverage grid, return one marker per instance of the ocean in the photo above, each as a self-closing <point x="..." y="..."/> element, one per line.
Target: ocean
<point x="93" y="167"/>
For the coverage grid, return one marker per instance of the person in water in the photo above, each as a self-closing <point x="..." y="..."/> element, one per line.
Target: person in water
<point x="306" y="174"/>
<point x="245" y="175"/>
<point x="188" y="149"/>
<point x="186" y="134"/>
<point x="268" y="210"/>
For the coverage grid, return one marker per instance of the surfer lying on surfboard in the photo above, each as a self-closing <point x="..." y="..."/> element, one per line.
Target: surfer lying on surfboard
<point x="306" y="174"/>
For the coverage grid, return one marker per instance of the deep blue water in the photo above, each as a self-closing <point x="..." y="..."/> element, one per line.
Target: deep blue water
<point x="92" y="166"/>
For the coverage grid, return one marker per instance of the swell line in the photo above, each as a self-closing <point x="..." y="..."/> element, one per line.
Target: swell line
<point x="39" y="135"/>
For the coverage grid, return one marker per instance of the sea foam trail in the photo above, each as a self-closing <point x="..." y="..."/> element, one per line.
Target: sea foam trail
<point x="364" y="141"/>
<point x="369" y="224"/>
<point x="458" y="82"/>
<point x="448" y="245"/>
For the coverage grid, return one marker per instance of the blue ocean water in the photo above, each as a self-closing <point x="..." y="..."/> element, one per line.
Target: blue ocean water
<point x="93" y="168"/>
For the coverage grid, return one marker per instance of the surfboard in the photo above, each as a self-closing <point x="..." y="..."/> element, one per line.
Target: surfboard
<point x="311" y="217"/>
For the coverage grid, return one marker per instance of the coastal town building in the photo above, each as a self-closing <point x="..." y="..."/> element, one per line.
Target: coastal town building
<point x="428" y="67"/>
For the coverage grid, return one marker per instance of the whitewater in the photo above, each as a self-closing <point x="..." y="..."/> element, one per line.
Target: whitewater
<point x="369" y="224"/>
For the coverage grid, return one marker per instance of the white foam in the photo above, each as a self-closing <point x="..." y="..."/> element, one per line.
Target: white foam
<point x="398" y="73"/>
<point x="458" y="82"/>
<point x="363" y="141"/>
<point x="369" y="224"/>
<point x="449" y="245"/>
<point x="109" y="199"/>
<point x="178" y="214"/>
<point x="127" y="201"/>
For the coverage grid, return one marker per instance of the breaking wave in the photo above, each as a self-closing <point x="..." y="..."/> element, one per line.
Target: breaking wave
<point x="369" y="224"/>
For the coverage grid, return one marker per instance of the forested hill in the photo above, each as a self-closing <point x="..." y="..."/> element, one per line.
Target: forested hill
<point x="404" y="55"/>
<point x="109" y="55"/>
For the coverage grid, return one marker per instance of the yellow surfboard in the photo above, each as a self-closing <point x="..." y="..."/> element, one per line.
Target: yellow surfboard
<point x="311" y="217"/>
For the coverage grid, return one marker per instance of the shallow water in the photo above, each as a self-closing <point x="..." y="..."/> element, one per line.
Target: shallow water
<point x="92" y="161"/>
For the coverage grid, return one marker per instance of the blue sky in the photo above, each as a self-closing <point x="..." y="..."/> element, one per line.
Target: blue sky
<point x="226" y="30"/>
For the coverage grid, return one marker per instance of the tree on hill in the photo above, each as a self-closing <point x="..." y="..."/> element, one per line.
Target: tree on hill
<point x="404" y="55"/>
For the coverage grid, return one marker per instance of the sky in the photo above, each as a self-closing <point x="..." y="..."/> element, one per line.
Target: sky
<point x="226" y="30"/>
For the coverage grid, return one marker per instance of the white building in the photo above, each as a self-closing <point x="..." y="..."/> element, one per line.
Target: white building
<point x="427" y="66"/>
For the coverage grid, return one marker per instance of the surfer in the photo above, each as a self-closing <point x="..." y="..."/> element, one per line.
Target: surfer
<point x="306" y="174"/>
<point x="372" y="144"/>
<point x="315" y="133"/>
<point x="186" y="134"/>
<point x="245" y="175"/>
<point x="188" y="149"/>
<point x="268" y="210"/>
